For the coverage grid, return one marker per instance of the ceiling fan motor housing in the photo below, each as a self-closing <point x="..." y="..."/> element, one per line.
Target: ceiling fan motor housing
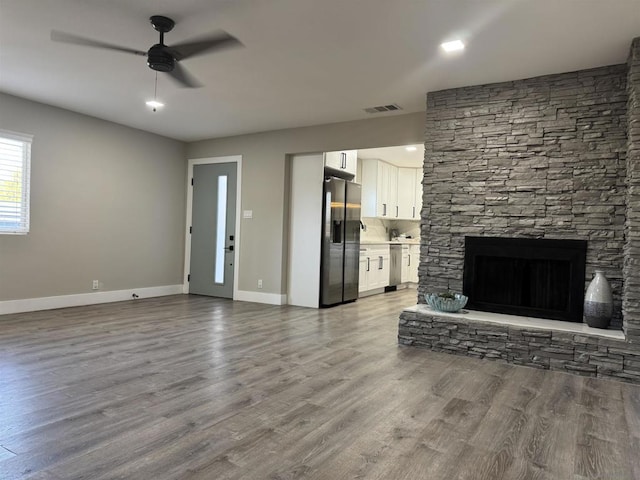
<point x="159" y="59"/>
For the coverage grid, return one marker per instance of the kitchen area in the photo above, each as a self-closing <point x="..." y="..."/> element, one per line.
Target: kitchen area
<point x="391" y="181"/>
<point x="384" y="226"/>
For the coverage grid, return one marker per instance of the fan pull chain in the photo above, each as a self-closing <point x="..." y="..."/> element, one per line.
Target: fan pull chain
<point x="155" y="91"/>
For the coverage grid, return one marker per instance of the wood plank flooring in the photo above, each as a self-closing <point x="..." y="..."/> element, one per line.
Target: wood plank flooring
<point x="189" y="387"/>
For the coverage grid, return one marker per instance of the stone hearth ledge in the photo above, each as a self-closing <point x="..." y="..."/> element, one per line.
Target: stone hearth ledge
<point x="521" y="322"/>
<point x="547" y="344"/>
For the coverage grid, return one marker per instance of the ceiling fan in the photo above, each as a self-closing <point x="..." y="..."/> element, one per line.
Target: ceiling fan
<point x="161" y="57"/>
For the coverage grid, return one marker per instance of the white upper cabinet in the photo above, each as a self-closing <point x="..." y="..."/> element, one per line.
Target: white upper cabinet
<point x="379" y="189"/>
<point x="407" y="193"/>
<point x="390" y="192"/>
<point x="344" y="161"/>
<point x="418" y="190"/>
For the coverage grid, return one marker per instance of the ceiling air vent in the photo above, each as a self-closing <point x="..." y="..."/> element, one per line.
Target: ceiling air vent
<point x="383" y="108"/>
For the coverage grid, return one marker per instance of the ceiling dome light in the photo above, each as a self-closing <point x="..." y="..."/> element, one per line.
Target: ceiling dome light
<point x="452" y="46"/>
<point x="410" y="148"/>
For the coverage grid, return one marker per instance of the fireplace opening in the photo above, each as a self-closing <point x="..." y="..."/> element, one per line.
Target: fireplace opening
<point x="539" y="278"/>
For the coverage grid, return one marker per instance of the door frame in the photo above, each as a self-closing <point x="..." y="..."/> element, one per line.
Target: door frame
<point x="237" y="159"/>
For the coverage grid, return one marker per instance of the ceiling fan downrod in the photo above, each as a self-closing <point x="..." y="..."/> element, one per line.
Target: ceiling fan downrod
<point x="158" y="58"/>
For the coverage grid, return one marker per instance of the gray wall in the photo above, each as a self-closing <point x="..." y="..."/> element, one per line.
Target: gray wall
<point x="107" y="203"/>
<point x="263" y="246"/>
<point x="542" y="157"/>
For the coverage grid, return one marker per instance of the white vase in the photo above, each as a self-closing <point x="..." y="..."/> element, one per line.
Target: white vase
<point x="598" y="302"/>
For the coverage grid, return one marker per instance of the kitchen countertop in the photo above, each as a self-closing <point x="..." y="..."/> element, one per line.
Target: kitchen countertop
<point x="408" y="241"/>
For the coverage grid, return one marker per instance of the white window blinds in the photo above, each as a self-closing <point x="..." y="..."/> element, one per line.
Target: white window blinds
<point x="15" y="160"/>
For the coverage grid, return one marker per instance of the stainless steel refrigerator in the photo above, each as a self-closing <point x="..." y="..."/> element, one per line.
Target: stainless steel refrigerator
<point x="340" y="254"/>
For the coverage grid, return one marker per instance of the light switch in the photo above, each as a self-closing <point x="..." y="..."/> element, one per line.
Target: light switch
<point x="247" y="214"/>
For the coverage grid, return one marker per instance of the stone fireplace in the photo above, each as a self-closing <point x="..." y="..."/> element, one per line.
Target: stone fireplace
<point x="555" y="158"/>
<point x="530" y="277"/>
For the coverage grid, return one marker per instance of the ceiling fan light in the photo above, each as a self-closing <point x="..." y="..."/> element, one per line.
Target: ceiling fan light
<point x="452" y="46"/>
<point x="155" y="104"/>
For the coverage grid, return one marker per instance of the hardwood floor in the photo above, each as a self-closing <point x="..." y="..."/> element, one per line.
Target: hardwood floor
<point x="188" y="387"/>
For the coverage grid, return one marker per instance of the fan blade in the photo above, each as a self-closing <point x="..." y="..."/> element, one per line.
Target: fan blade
<point x="201" y="45"/>
<point x="64" y="37"/>
<point x="183" y="77"/>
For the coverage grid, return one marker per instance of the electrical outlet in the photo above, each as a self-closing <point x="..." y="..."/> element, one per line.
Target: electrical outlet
<point x="260" y="283"/>
<point x="96" y="285"/>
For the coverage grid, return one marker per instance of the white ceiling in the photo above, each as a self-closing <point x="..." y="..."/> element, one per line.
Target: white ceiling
<point x="305" y="62"/>
<point x="398" y="156"/>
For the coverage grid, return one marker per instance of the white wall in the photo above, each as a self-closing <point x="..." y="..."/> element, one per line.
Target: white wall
<point x="107" y="203"/>
<point x="305" y="230"/>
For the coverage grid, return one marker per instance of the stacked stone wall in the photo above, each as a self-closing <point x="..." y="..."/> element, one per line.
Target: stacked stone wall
<point x="540" y="158"/>
<point x="550" y="157"/>
<point x="581" y="354"/>
<point x="631" y="305"/>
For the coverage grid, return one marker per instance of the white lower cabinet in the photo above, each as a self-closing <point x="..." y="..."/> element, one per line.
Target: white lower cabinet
<point x="406" y="265"/>
<point x="363" y="279"/>
<point x="413" y="262"/>
<point x="379" y="273"/>
<point x="374" y="267"/>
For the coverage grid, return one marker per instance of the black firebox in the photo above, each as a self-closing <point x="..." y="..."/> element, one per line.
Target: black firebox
<point x="541" y="278"/>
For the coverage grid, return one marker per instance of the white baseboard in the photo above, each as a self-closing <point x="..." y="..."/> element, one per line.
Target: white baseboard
<point x="366" y="293"/>
<point x="260" y="297"/>
<point x="63" y="301"/>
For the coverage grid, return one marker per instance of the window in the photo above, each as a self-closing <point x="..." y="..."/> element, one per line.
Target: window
<point x="15" y="160"/>
<point x="221" y="232"/>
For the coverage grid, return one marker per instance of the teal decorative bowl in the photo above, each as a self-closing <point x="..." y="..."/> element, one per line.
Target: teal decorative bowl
<point x="446" y="304"/>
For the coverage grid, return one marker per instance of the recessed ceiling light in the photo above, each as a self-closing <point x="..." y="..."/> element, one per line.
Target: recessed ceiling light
<point x="411" y="148"/>
<point x="452" y="46"/>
